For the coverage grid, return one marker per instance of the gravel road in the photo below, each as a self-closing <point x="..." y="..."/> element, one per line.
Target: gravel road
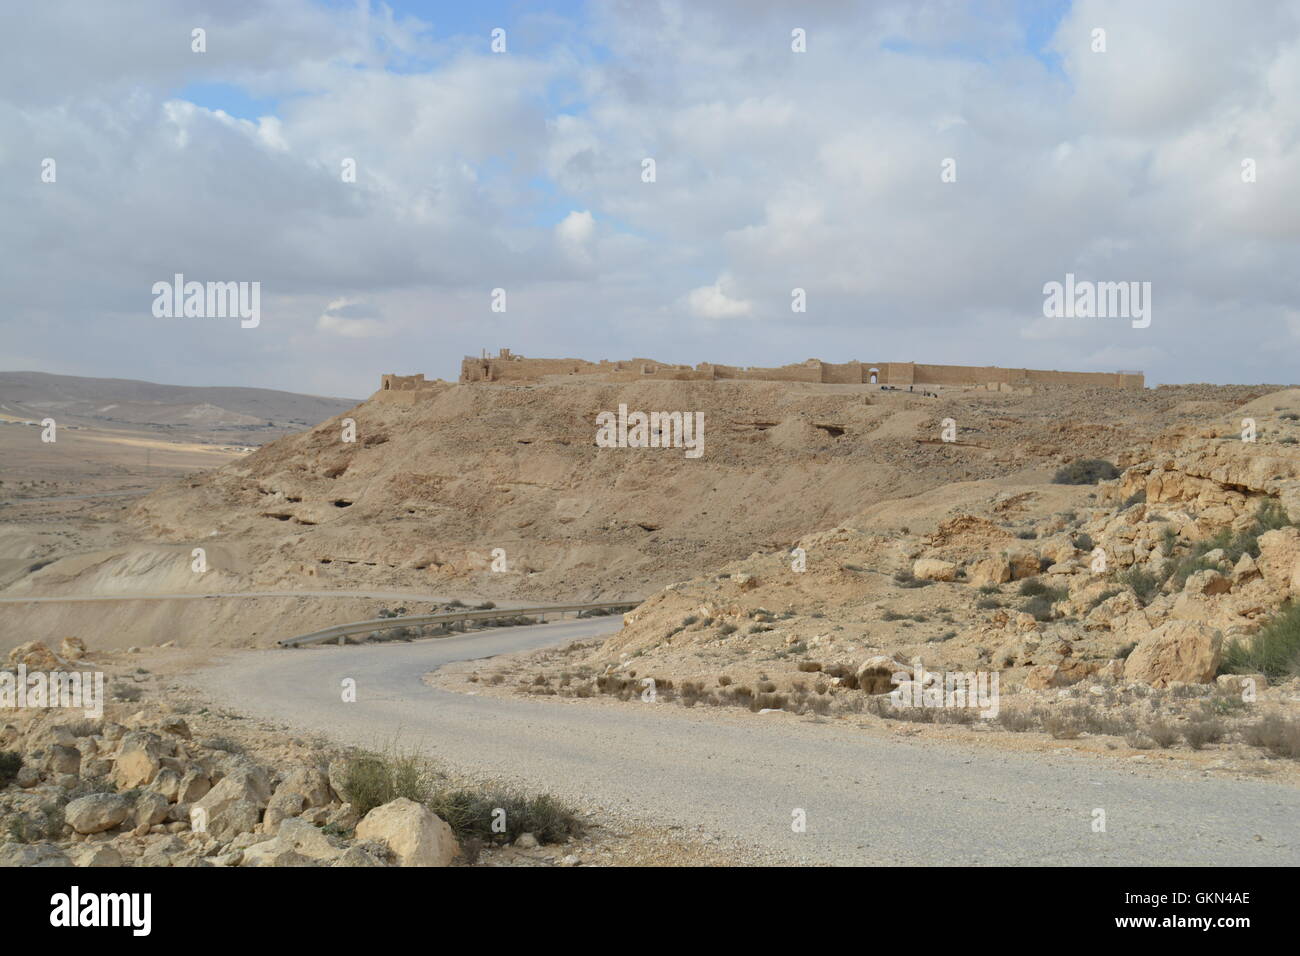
<point x="739" y="779"/>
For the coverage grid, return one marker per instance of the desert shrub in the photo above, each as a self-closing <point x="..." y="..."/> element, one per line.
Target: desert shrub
<point x="1138" y="497"/>
<point x="906" y="579"/>
<point x="1065" y="724"/>
<point x="723" y="680"/>
<point x="1026" y="535"/>
<point x="727" y="628"/>
<point x="1144" y="584"/>
<point x="1166" y="735"/>
<point x="809" y="667"/>
<point x="1084" y="542"/>
<point x="1040" y="607"/>
<point x="1277" y="734"/>
<point x="127" y="692"/>
<point x="225" y="744"/>
<point x="893" y="616"/>
<point x="10" y="764"/>
<point x="1017" y="721"/>
<point x="1198" y="733"/>
<point x="987" y="603"/>
<point x="1273" y="651"/>
<point x="1033" y="587"/>
<point x="373" y="779"/>
<point x="1085" y="471"/>
<point x="470" y="814"/>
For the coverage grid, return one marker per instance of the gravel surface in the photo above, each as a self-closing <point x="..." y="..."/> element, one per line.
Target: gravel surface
<point x="737" y="783"/>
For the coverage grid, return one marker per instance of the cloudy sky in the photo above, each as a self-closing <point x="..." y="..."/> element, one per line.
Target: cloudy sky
<point x="523" y="170"/>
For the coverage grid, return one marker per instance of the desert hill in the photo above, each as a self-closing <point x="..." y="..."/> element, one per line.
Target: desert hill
<point x="258" y="413"/>
<point x="428" y="490"/>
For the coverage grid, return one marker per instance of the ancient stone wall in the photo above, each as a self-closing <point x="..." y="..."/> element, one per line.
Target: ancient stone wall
<point x="506" y="367"/>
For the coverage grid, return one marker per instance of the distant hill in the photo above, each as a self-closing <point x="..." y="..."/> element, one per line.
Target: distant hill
<point x="196" y="411"/>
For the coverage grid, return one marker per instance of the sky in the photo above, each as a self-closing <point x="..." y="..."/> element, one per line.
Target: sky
<point x="921" y="170"/>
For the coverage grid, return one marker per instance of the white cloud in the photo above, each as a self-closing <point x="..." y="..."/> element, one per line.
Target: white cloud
<point x="774" y="171"/>
<point x="711" y="302"/>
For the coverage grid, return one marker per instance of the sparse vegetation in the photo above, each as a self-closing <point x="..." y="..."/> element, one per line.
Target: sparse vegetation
<point x="1085" y="471"/>
<point x="1273" y="651"/>
<point x="10" y="764"/>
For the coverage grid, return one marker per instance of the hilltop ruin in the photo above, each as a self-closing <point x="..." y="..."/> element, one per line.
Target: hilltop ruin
<point x="509" y="368"/>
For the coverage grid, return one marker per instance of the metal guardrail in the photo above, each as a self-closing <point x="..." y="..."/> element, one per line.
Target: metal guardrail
<point x="340" y="632"/>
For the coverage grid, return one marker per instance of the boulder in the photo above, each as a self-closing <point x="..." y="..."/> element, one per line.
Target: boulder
<point x="150" y="807"/>
<point x="933" y="569"/>
<point x="139" y="758"/>
<point x="72" y="649"/>
<point x="1024" y="563"/>
<point x="235" y="804"/>
<point x="194" y="786"/>
<point x="1279" y="555"/>
<point x="359" y="856"/>
<point x="97" y="812"/>
<point x="311" y="782"/>
<point x="32" y="854"/>
<point x="414" y="834"/>
<point x="1244" y="570"/>
<point x="35" y="656"/>
<point x="1184" y="651"/>
<point x="95" y="854"/>
<point x="989" y="571"/>
<point x="282" y="807"/>
<point x="1207" y="583"/>
<point x="296" y="843"/>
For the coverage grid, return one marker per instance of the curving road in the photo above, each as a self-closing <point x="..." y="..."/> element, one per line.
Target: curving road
<point x="867" y="800"/>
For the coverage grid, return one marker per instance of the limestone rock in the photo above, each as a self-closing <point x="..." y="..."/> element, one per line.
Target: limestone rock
<point x="97" y="812"/>
<point x="139" y="758"/>
<point x="933" y="569"/>
<point x="310" y="782"/>
<point x="1207" y="583"/>
<point x="35" y="656"/>
<point x="415" y="835"/>
<point x="150" y="807"/>
<point x="235" y="804"/>
<point x="72" y="649"/>
<point x="95" y="854"/>
<point x="1176" y="651"/>
<point x="995" y="570"/>
<point x="296" y="843"/>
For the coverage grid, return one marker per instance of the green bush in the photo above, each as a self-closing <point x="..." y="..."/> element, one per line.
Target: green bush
<point x="1273" y="651"/>
<point x="371" y="780"/>
<point x="1144" y="584"/>
<point x="10" y="763"/>
<point x="1085" y="471"/>
<point x="471" y="813"/>
<point x="1032" y="587"/>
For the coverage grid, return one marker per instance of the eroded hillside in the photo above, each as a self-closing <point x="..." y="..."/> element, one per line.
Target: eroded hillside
<point x="429" y="490"/>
